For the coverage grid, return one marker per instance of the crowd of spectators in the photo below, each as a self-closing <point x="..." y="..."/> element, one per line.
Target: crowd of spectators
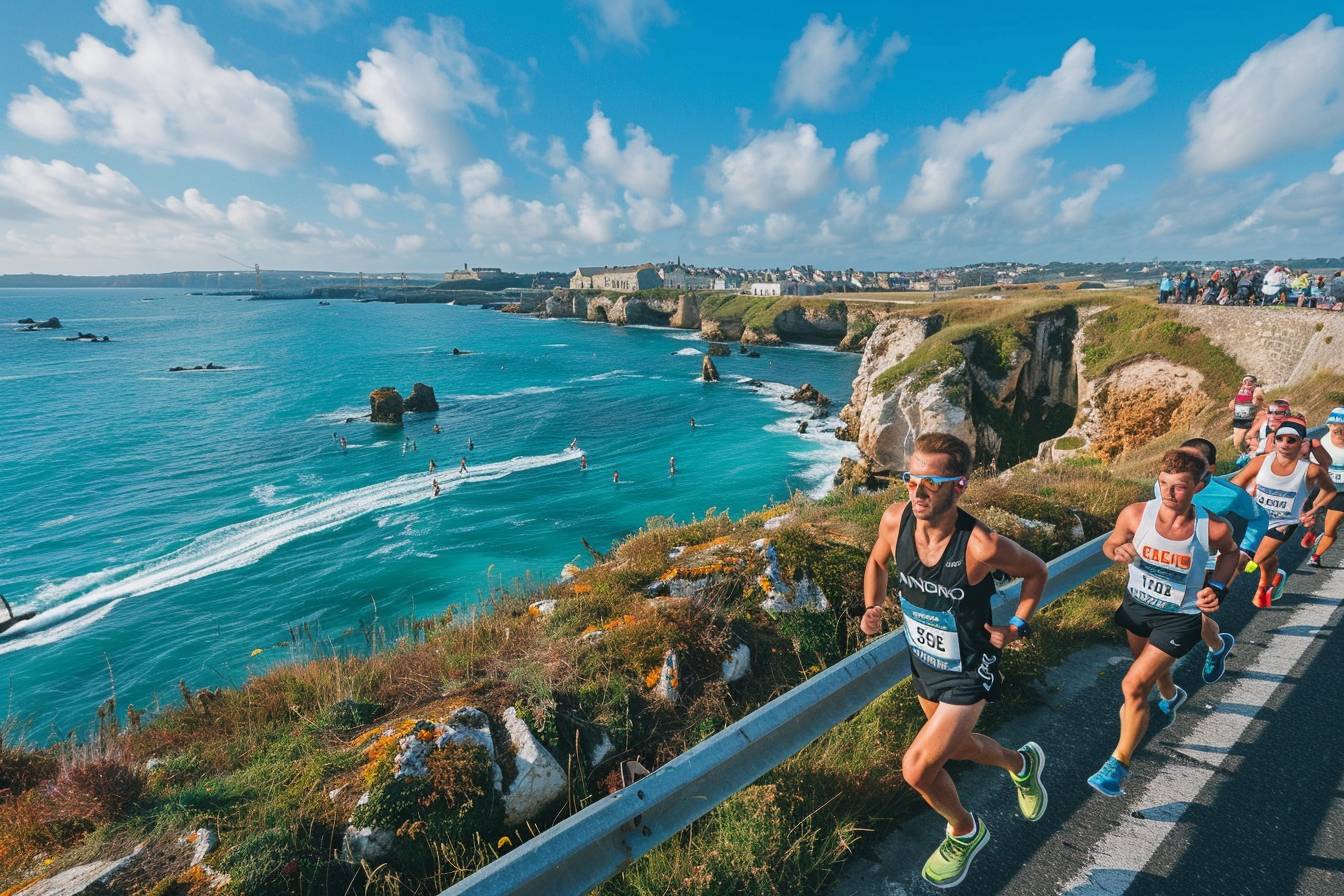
<point x="1252" y="286"/>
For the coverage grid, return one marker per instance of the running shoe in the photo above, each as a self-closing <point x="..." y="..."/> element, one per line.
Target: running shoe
<point x="1309" y="539"/>
<point x="1031" y="795"/>
<point x="1276" y="587"/>
<point x="1262" y="593"/>
<point x="1215" y="663"/>
<point x="949" y="863"/>
<point x="1167" y="708"/>
<point x="1314" y="561"/>
<point x="1109" y="780"/>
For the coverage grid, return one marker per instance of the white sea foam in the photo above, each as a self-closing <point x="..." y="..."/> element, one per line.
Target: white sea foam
<point x="267" y="495"/>
<point x="59" y="521"/>
<point x="556" y="345"/>
<point x="688" y="351"/>
<point x="512" y="393"/>
<point x="340" y="414"/>
<point x="235" y="546"/>
<point x="609" y="375"/>
<point x="824" y="451"/>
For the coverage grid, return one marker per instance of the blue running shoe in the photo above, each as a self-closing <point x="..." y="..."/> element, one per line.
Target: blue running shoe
<point x="1167" y="708"/>
<point x="1110" y="778"/>
<point x="1215" y="663"/>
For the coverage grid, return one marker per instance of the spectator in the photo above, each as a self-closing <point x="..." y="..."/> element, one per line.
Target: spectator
<point x="1335" y="298"/>
<point x="1275" y="287"/>
<point x="1313" y="294"/>
<point x="1212" y="290"/>
<point x="1164" y="289"/>
<point x="1245" y="287"/>
<point x="1189" y="287"/>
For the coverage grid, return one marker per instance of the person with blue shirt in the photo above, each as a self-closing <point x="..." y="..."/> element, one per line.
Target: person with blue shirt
<point x="1164" y="289"/>
<point x="1332" y="445"/>
<point x="1249" y="523"/>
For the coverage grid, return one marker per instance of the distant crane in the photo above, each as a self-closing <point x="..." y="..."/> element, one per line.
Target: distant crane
<point x="255" y="267"/>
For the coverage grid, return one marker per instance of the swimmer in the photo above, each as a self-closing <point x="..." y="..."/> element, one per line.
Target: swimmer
<point x="671" y="467"/>
<point x="437" y="429"/>
<point x="615" y="477"/>
<point x="343" y="443"/>
<point x="471" y="446"/>
<point x="692" y="423"/>
<point x="432" y="465"/>
<point x="583" y="461"/>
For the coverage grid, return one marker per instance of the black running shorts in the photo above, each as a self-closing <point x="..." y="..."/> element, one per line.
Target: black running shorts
<point x="1175" y="634"/>
<point x="1240" y="424"/>
<point x="1281" y="533"/>
<point x="1337" y="502"/>
<point x="981" y="682"/>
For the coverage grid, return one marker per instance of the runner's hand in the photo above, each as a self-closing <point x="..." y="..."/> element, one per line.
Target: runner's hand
<point x="871" y="623"/>
<point x="1125" y="553"/>
<point x="1207" y="600"/>
<point x="999" y="635"/>
<point x="1308" y="518"/>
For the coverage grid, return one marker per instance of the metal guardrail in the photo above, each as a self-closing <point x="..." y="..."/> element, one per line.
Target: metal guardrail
<point x="595" y="844"/>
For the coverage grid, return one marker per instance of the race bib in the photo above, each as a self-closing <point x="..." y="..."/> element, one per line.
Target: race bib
<point x="1337" y="474"/>
<point x="932" y="636"/>
<point x="1154" y="586"/>
<point x="1242" y="411"/>
<point x="1275" y="504"/>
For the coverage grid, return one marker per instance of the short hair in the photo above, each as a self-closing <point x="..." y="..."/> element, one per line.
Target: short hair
<point x="1280" y="403"/>
<point x="957" y="451"/>
<point x="1204" y="447"/>
<point x="1178" y="460"/>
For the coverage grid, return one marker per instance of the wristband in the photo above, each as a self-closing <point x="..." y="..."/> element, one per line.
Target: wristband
<point x="1023" y="628"/>
<point x="1220" y="587"/>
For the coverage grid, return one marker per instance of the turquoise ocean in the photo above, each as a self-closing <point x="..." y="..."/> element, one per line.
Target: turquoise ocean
<point x="167" y="526"/>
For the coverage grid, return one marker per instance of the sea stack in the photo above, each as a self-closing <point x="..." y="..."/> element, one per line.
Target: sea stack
<point x="708" y="372"/>
<point x="385" y="405"/>
<point x="422" y="398"/>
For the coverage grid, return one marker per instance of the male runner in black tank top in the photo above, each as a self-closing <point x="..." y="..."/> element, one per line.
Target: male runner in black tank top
<point x="943" y="561"/>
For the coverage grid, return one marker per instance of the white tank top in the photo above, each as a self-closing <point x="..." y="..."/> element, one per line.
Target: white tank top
<point x="1336" y="453"/>
<point x="1283" y="497"/>
<point x="1243" y="405"/>
<point x="1167" y="575"/>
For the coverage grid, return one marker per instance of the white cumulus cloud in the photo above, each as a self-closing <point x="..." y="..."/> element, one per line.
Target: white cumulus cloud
<point x="1286" y="95"/>
<point x="820" y="68"/>
<point x="1013" y="131"/>
<point x="409" y="243"/>
<point x="774" y="170"/>
<point x="301" y="15"/>
<point x="626" y="21"/>
<point x="345" y="200"/>
<point x="1337" y="166"/>
<point x="861" y="157"/>
<point x="481" y="176"/>
<point x="647" y="215"/>
<point x="1074" y="210"/>
<point x="417" y="93"/>
<point x="167" y="98"/>
<point x="639" y="166"/>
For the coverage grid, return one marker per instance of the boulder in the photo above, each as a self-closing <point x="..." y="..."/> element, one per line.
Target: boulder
<point x="687" y="313"/>
<point x="720" y="330"/>
<point x="27" y="320"/>
<point x="539" y="781"/>
<point x="708" y="372"/>
<point x="809" y="394"/>
<point x="386" y="406"/>
<point x="90" y="878"/>
<point x="51" y="323"/>
<point x="422" y="399"/>
<point x="367" y="844"/>
<point x="719" y="350"/>
<point x="202" y="842"/>
<point x="667" y="686"/>
<point x="738" y="664"/>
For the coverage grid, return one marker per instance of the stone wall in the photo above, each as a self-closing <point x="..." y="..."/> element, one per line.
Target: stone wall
<point x="1279" y="345"/>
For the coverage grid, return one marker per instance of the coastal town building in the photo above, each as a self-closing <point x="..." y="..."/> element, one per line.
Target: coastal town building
<point x="781" y="288"/>
<point x="681" y="277"/>
<point x="631" y="278"/>
<point x="727" y="281"/>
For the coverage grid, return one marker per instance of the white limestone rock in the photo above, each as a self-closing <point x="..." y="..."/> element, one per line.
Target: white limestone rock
<point x="738" y="664"/>
<point x="540" y="779"/>
<point x="668" y="687"/>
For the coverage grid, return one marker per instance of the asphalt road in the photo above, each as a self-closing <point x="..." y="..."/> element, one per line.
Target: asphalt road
<point x="1243" y="794"/>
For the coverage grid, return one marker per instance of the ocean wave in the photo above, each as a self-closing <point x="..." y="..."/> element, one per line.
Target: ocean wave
<point x="340" y="414"/>
<point x="609" y="375"/>
<point x="267" y="496"/>
<point x="512" y="393"/>
<point x="59" y="521"/>
<point x="235" y="546"/>
<point x="556" y="345"/>
<point x="688" y="351"/>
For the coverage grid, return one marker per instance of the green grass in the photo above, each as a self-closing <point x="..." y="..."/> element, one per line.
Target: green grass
<point x="1130" y="330"/>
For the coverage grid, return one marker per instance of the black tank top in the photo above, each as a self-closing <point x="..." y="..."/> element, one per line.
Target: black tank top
<point x="945" y="614"/>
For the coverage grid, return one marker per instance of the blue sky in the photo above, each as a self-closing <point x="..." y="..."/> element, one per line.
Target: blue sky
<point x="417" y="136"/>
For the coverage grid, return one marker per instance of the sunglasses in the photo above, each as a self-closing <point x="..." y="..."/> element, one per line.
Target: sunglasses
<point x="932" y="483"/>
<point x="1277" y="413"/>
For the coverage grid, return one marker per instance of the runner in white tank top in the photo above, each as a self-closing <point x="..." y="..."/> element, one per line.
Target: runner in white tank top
<point x="1168" y="574"/>
<point x="1281" y="482"/>
<point x="1333" y="447"/>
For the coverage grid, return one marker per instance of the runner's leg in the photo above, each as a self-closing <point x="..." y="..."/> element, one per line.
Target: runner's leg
<point x="979" y="748"/>
<point x="1330" y="532"/>
<point x="1210" y="632"/>
<point x="942" y="736"/>
<point x="1150" y="666"/>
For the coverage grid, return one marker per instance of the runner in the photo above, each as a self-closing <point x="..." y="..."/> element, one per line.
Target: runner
<point x="944" y="562"/>
<point x="1166" y="542"/>
<point x="1333" y="445"/>
<point x="1280" y="482"/>
<point x="1249" y="522"/>
<point x="1264" y="425"/>
<point x="1245" y="406"/>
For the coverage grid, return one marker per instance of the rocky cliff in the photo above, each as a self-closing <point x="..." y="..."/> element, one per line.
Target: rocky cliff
<point x="1004" y="388"/>
<point x="1279" y="345"/>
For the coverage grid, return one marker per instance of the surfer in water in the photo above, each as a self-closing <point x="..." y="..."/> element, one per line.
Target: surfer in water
<point x="432" y="465"/>
<point x="462" y="466"/>
<point x="573" y="445"/>
<point x="343" y="443"/>
<point x="437" y="429"/>
<point x="671" y="467"/>
<point x="6" y="624"/>
<point x="583" y="461"/>
<point x="471" y="446"/>
<point x="692" y="423"/>
<point x="436" y="487"/>
<point x="615" y="477"/>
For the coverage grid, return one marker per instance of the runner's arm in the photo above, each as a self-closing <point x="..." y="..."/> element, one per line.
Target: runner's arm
<point x="875" y="574"/>
<point x="1319" y="455"/>
<point x="1119" y="545"/>
<point x="1320" y="479"/>
<point x="1257" y="523"/>
<point x="1243" y="478"/>
<point x="1221" y="541"/>
<point x="994" y="551"/>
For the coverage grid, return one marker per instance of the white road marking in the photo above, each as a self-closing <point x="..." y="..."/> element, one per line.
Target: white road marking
<point x="1124" y="852"/>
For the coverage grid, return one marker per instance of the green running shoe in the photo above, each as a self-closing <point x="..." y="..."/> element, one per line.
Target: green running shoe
<point x="1031" y="796"/>
<point x="949" y="863"/>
